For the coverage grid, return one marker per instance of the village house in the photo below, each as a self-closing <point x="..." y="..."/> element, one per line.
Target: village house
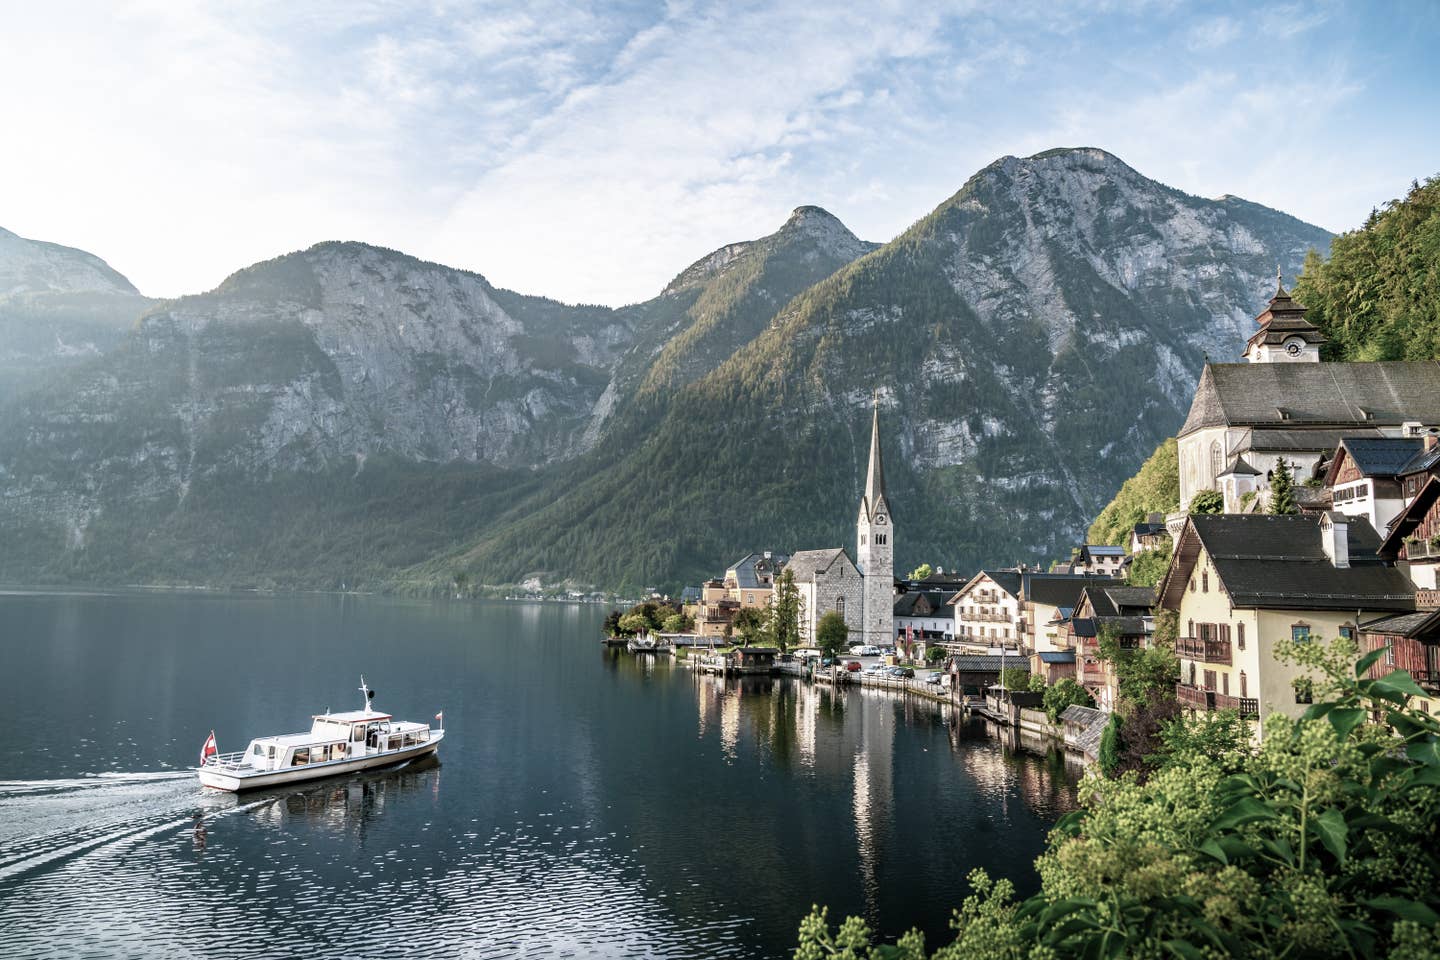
<point x="923" y="618"/>
<point x="714" y="611"/>
<point x="987" y="612"/>
<point x="1415" y="537"/>
<point x="1412" y="643"/>
<point x="1098" y="560"/>
<point x="827" y="580"/>
<point x="1149" y="534"/>
<point x="1364" y="477"/>
<point x="1241" y="583"/>
<point x="1284" y="403"/>
<point x="751" y="579"/>
<point x="1047" y="601"/>
<point x="1108" y="610"/>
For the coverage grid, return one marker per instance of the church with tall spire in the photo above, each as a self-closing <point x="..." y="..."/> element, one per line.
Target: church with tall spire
<point x="875" y="547"/>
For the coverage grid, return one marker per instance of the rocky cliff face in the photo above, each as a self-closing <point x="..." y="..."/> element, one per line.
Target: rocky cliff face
<point x="1032" y="340"/>
<point x="58" y="307"/>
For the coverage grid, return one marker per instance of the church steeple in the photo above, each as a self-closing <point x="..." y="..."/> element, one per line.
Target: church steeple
<point x="875" y="548"/>
<point x="1284" y="334"/>
<point x="875" y="476"/>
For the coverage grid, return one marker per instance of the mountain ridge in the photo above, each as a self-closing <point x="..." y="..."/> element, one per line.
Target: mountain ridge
<point x="613" y="445"/>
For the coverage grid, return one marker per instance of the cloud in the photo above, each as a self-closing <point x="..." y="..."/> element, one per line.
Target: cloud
<point x="591" y="151"/>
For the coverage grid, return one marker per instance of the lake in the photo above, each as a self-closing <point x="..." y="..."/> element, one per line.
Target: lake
<point x="585" y="802"/>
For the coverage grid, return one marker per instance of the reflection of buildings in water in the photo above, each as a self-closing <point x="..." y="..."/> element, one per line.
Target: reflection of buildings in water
<point x="343" y="805"/>
<point x="874" y="793"/>
<point x="729" y="722"/>
<point x="1032" y="767"/>
<point x="807" y="706"/>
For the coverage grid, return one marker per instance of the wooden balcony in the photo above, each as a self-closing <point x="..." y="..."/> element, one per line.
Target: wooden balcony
<point x="987" y="617"/>
<point x="1196" y="698"/>
<point x="1203" y="651"/>
<point x="1427" y="599"/>
<point x="1421" y="550"/>
<point x="1247" y="706"/>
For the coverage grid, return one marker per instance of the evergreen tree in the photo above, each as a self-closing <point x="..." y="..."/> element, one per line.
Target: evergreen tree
<point x="1282" y="490"/>
<point x="783" y="628"/>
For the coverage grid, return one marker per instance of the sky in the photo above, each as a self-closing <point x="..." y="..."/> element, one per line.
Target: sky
<point x="590" y="152"/>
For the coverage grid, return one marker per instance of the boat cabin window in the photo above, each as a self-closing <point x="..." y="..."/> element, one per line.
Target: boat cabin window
<point x="258" y="750"/>
<point x="301" y="757"/>
<point x="357" y="733"/>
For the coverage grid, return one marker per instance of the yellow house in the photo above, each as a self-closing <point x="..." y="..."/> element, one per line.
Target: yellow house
<point x="1242" y="582"/>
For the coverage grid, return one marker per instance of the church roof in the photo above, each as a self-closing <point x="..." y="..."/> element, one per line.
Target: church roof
<point x="806" y="564"/>
<point x="1240" y="467"/>
<point x="875" y="475"/>
<point x="1309" y="396"/>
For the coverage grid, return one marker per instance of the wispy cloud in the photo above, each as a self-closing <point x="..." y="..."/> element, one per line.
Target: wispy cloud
<point x="591" y="151"/>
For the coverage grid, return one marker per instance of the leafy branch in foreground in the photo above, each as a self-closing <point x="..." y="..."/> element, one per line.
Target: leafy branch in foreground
<point x="1323" y="841"/>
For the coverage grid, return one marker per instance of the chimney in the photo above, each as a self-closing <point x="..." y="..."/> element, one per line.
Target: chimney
<point x="1335" y="538"/>
<point x="1430" y="438"/>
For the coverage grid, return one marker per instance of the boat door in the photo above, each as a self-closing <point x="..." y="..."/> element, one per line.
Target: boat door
<point x="357" y="741"/>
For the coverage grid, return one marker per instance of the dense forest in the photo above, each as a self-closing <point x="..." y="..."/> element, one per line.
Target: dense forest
<point x="1377" y="296"/>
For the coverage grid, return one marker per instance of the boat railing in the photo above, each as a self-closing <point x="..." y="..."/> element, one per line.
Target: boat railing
<point x="224" y="759"/>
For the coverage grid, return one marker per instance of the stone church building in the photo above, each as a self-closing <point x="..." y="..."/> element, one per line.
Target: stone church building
<point x="863" y="593"/>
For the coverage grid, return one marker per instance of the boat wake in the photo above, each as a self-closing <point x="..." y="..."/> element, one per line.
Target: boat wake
<point x="45" y="823"/>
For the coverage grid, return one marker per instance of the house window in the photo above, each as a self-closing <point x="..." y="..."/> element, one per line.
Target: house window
<point x="1217" y="465"/>
<point x="1192" y="674"/>
<point x="1244" y="687"/>
<point x="1225" y="684"/>
<point x="1300" y="633"/>
<point x="1347" y="631"/>
<point x="1192" y="584"/>
<point x="1240" y="639"/>
<point x="1191" y="625"/>
<point x="1209" y="679"/>
<point x="840" y="606"/>
<point x="1304" y="690"/>
<point x="749" y="598"/>
<point x="1205" y="582"/>
<point x="1390" y="655"/>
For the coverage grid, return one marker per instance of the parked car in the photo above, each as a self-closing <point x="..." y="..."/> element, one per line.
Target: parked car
<point x="852" y="666"/>
<point x="934" y="677"/>
<point x="857" y="649"/>
<point x="875" y="668"/>
<point x="869" y="650"/>
<point x="904" y="673"/>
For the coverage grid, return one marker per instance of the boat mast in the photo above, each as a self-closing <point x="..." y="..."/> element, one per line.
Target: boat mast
<point x="367" y="693"/>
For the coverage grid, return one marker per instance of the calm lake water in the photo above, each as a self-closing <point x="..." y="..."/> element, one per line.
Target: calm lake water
<point x="585" y="803"/>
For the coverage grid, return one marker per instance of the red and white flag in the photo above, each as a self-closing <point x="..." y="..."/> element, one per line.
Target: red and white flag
<point x="209" y="750"/>
<point x="440" y="719"/>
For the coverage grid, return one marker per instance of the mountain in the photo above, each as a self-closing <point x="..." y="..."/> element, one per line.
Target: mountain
<point x="1033" y="339"/>
<point x="351" y="414"/>
<point x="352" y="394"/>
<point x="58" y="307"/>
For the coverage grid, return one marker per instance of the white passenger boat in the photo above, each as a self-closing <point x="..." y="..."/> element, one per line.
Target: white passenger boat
<point x="336" y="743"/>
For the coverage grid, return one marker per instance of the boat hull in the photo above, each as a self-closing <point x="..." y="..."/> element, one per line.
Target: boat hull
<point x="220" y="779"/>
